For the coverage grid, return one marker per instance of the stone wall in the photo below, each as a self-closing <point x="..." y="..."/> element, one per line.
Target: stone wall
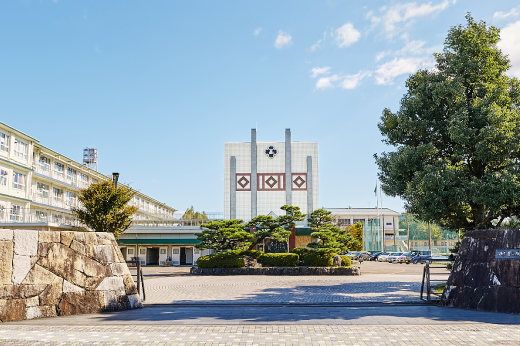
<point x="479" y="280"/>
<point x="277" y="271"/>
<point x="53" y="273"/>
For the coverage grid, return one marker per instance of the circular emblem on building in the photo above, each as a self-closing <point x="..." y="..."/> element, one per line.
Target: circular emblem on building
<point x="271" y="152"/>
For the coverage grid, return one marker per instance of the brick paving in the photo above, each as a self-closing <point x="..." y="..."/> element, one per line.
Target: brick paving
<point x="441" y="335"/>
<point x="282" y="289"/>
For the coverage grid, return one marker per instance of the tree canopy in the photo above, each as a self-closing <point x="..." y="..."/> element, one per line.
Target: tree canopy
<point x="457" y="135"/>
<point x="330" y="238"/>
<point x="191" y="214"/>
<point x="105" y="208"/>
<point x="267" y="226"/>
<point x="224" y="235"/>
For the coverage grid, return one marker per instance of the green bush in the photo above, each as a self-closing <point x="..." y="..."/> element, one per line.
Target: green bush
<point x="317" y="259"/>
<point x="253" y="253"/>
<point x="221" y="260"/>
<point x="300" y="251"/>
<point x="345" y="261"/>
<point x="279" y="260"/>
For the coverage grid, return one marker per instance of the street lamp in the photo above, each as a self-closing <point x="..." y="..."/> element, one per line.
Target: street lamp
<point x="115" y="177"/>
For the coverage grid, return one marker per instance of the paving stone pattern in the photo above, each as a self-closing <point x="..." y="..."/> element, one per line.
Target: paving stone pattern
<point x="262" y="335"/>
<point x="282" y="289"/>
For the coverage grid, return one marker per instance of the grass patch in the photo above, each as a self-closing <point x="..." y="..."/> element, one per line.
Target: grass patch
<point x="439" y="288"/>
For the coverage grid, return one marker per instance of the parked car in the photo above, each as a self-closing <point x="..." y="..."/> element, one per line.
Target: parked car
<point x="393" y="256"/>
<point x="418" y="256"/>
<point x="373" y="256"/>
<point x="382" y="257"/>
<point x="401" y="259"/>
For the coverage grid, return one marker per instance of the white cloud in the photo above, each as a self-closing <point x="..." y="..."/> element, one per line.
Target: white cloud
<point x="352" y="81"/>
<point x="319" y="70"/>
<point x="282" y="40"/>
<point x="347" y="35"/>
<point x="339" y="80"/>
<point x="315" y="46"/>
<point x="386" y="72"/>
<point x="326" y="82"/>
<point x="510" y="45"/>
<point x="512" y="13"/>
<point x="381" y="55"/>
<point x="412" y="47"/>
<point x="257" y="31"/>
<point x="396" y="18"/>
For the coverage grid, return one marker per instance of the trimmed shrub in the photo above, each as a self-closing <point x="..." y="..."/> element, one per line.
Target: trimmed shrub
<point x="345" y="261"/>
<point x="253" y="253"/>
<point x="300" y="251"/>
<point x="279" y="260"/>
<point x="221" y="260"/>
<point x="317" y="259"/>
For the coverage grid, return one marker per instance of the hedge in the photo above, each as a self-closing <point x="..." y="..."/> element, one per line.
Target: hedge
<point x="316" y="259"/>
<point x="300" y="251"/>
<point x="218" y="260"/>
<point x="253" y="253"/>
<point x="279" y="260"/>
<point x="345" y="261"/>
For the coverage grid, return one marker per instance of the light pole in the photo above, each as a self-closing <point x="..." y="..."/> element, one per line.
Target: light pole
<point x="115" y="177"/>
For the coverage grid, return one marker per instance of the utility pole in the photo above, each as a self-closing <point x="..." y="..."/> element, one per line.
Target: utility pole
<point x="383" y="230"/>
<point x="408" y="232"/>
<point x="372" y="234"/>
<point x="429" y="237"/>
<point x="395" y="235"/>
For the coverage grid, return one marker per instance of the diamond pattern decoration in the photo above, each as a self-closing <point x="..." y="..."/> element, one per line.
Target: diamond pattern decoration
<point x="271" y="182"/>
<point x="299" y="181"/>
<point x="243" y="182"/>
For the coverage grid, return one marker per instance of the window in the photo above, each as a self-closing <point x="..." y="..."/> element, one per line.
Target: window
<point x="130" y="251"/>
<point x="71" y="198"/>
<point x="19" y="181"/>
<point x="20" y="149"/>
<point x="4" y="142"/>
<point x="84" y="178"/>
<point x="16" y="213"/>
<point x="59" y="169"/>
<point x="71" y="175"/>
<point x="45" y="164"/>
<point x="425" y="243"/>
<point x="389" y="224"/>
<point x="57" y="193"/>
<point x="3" y="177"/>
<point x="358" y="220"/>
<point x="94" y="181"/>
<point x="41" y="216"/>
<point x="43" y="190"/>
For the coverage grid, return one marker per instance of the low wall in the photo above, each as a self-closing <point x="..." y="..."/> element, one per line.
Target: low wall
<point x="53" y="273"/>
<point x="483" y="278"/>
<point x="277" y="271"/>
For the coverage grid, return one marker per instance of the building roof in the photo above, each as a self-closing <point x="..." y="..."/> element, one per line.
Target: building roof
<point x="363" y="211"/>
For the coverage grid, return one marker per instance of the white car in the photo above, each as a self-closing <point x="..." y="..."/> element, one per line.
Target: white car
<point x="393" y="256"/>
<point x="383" y="257"/>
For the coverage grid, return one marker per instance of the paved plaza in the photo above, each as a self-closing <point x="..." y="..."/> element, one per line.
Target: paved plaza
<point x="379" y="308"/>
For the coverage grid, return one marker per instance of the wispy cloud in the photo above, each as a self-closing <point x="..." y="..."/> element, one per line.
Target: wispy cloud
<point x="387" y="72"/>
<point x="381" y="55"/>
<point x="257" y="31"/>
<point x="339" y="80"/>
<point x="510" y="44"/>
<point x="283" y="39"/>
<point x="316" y="71"/>
<point x="394" y="19"/>
<point x="513" y="13"/>
<point x="347" y="35"/>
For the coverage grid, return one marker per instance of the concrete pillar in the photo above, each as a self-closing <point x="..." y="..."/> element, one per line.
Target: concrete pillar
<point x="310" y="207"/>
<point x="288" y="171"/>
<point x="233" y="188"/>
<point x="254" y="175"/>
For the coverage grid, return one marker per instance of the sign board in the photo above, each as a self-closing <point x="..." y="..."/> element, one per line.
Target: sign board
<point x="507" y="253"/>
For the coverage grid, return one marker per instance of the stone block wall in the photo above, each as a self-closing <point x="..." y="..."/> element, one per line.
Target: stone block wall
<point x="479" y="280"/>
<point x="53" y="273"/>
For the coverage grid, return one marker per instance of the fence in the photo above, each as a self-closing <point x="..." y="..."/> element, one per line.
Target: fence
<point x="438" y="270"/>
<point x="38" y="215"/>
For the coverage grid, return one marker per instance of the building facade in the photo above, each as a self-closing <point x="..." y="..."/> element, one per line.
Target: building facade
<point x="261" y="177"/>
<point x="38" y="186"/>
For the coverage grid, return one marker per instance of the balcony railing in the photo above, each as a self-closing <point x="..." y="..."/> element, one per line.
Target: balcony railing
<point x="38" y="216"/>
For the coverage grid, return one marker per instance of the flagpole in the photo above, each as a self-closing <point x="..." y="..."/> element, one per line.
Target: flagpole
<point x="377" y="207"/>
<point x="382" y="220"/>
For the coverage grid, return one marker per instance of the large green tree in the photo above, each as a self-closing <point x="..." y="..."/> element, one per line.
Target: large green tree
<point x="457" y="135"/>
<point x="330" y="238"/>
<point x="266" y="226"/>
<point x="105" y="208"/>
<point x="224" y="235"/>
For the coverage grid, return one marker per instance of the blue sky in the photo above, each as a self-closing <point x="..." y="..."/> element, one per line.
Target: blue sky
<point x="159" y="86"/>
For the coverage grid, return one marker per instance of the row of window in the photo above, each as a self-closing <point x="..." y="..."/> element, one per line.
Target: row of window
<point x="42" y="191"/>
<point x="20" y="147"/>
<point x="59" y="172"/>
<point x="18" y="179"/>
